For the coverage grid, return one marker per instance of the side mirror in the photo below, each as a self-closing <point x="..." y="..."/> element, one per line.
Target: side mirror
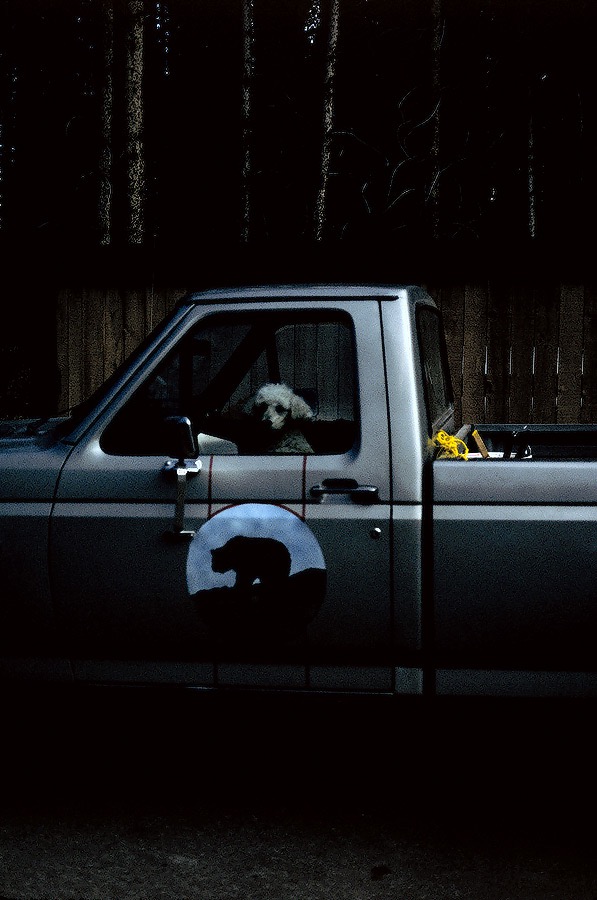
<point x="180" y="440"/>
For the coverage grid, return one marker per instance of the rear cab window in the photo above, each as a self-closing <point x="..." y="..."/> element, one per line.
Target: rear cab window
<point x="439" y="399"/>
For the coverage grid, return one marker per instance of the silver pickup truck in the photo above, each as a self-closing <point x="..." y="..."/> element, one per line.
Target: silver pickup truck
<point x="272" y="494"/>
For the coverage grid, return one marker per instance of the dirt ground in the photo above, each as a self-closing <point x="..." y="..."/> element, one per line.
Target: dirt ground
<point x="111" y="797"/>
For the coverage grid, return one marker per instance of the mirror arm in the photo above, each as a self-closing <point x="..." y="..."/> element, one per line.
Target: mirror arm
<point x="183" y="468"/>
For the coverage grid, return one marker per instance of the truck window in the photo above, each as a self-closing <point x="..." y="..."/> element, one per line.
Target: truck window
<point x="254" y="383"/>
<point x="434" y="365"/>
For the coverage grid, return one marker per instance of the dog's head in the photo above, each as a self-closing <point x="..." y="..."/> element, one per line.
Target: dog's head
<point x="276" y="406"/>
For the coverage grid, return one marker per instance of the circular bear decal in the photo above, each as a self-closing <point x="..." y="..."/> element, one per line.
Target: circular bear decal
<point x="256" y="569"/>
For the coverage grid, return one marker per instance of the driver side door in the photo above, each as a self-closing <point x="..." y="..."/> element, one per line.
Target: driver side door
<point x="282" y="576"/>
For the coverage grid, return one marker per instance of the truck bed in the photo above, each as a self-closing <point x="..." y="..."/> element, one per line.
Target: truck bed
<point x="536" y="442"/>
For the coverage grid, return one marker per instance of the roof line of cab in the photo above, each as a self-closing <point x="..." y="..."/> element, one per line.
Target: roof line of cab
<point x="322" y="291"/>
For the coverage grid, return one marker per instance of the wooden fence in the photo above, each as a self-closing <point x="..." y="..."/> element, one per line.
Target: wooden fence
<point x="522" y="353"/>
<point x="518" y="353"/>
<point x="96" y="331"/>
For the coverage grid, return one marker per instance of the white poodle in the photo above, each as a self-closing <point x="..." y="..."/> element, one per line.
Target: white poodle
<point x="275" y="409"/>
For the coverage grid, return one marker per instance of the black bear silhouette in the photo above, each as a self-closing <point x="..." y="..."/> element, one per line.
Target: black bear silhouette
<point x="252" y="559"/>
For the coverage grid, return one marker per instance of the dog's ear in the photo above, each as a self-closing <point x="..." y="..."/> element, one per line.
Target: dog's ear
<point x="299" y="408"/>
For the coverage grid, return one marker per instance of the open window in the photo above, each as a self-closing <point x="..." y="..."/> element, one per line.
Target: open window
<point x="216" y="371"/>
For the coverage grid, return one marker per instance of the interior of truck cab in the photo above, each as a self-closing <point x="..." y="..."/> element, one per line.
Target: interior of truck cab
<point x="255" y="383"/>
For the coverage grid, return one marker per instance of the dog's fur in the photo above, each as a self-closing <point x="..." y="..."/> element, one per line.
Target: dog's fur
<point x="275" y="410"/>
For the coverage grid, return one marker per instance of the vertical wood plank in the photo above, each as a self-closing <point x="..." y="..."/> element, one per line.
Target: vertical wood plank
<point x="522" y="338"/>
<point x="94" y="339"/>
<point x="156" y="305"/>
<point x="347" y="371"/>
<point x="589" y="378"/>
<point x="113" y="332"/>
<point x="329" y="371"/>
<point x="305" y="356"/>
<point x="451" y="303"/>
<point x="76" y="347"/>
<point x="498" y="352"/>
<point x="259" y="373"/>
<point x="161" y="302"/>
<point x="473" y="356"/>
<point x="62" y="355"/>
<point x="545" y="377"/>
<point x="570" y="353"/>
<point x="134" y="318"/>
<point x="335" y="366"/>
<point x="171" y="298"/>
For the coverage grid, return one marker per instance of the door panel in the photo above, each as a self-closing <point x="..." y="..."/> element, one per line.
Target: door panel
<point x="275" y="583"/>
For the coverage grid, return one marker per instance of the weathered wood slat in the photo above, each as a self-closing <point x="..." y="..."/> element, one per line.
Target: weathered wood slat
<point x="134" y="318"/>
<point x="473" y="355"/>
<point x="346" y="373"/>
<point x="498" y="352"/>
<point x="113" y="333"/>
<point x="94" y="339"/>
<point x="546" y="339"/>
<point x="589" y="378"/>
<point x="520" y="389"/>
<point x="77" y="390"/>
<point x="450" y="300"/>
<point x="305" y="358"/>
<point x="62" y="352"/>
<point x="570" y="347"/>
<point x="331" y="378"/>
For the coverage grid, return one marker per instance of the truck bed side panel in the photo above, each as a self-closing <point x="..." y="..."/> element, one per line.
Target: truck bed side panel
<point x="515" y="565"/>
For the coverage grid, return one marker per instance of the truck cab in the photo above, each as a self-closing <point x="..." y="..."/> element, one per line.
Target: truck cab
<point x="228" y="558"/>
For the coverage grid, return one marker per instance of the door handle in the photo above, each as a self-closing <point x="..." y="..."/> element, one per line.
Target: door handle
<point x="358" y="493"/>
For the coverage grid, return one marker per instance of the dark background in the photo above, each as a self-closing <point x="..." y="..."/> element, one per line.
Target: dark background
<point x="147" y="146"/>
